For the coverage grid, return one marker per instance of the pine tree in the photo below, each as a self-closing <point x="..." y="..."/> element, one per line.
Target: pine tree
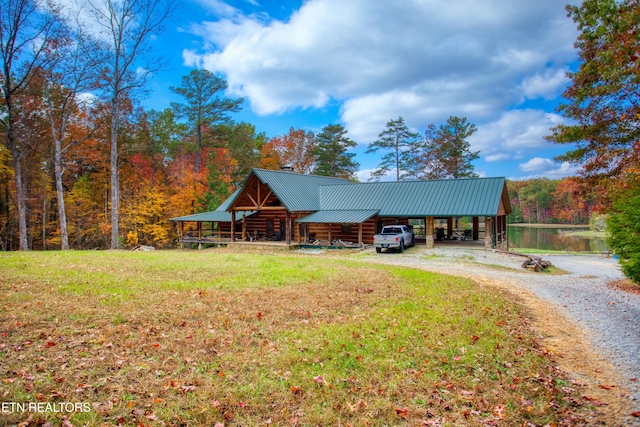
<point x="402" y="146"/>
<point x="447" y="152"/>
<point x="332" y="158"/>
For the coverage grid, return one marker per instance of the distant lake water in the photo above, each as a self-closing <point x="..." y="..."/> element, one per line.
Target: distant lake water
<point x="555" y="239"/>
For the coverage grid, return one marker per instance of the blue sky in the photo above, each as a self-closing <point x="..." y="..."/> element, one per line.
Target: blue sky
<point x="305" y="64"/>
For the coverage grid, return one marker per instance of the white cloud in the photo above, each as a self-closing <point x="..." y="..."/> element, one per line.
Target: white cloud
<point x="514" y="135"/>
<point x="547" y="168"/>
<point x="547" y="85"/>
<point x="219" y="8"/>
<point x="423" y="60"/>
<point x="363" y="175"/>
<point x="536" y="164"/>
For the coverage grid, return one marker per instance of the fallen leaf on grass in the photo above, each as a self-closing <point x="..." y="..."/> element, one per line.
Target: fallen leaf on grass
<point x="636" y="414"/>
<point x="607" y="387"/>
<point x="188" y="388"/>
<point x="593" y="401"/>
<point x="403" y="413"/>
<point x="356" y="406"/>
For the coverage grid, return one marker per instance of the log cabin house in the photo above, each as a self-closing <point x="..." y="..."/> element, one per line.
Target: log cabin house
<point x="295" y="209"/>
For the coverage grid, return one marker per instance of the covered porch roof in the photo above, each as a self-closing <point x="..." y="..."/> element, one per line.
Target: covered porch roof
<point x="213" y="216"/>
<point x="339" y="216"/>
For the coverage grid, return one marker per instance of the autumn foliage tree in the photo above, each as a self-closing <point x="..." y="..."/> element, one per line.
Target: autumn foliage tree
<point x="603" y="104"/>
<point x="295" y="150"/>
<point x="28" y="30"/>
<point x="127" y="27"/>
<point x="603" y="99"/>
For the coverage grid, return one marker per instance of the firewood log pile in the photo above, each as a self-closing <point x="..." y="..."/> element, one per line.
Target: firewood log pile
<point x="536" y="263"/>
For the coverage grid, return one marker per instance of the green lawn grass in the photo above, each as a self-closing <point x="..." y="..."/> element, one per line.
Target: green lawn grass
<point x="199" y="338"/>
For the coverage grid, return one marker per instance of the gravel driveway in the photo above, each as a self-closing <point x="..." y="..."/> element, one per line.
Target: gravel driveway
<point x="610" y="316"/>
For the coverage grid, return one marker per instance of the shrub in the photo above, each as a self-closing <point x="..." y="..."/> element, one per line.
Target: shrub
<point x="623" y="226"/>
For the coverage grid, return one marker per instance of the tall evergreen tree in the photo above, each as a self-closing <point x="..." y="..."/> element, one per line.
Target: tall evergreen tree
<point x="332" y="158"/>
<point x="244" y="146"/>
<point x="447" y="152"/>
<point x="205" y="104"/>
<point x="401" y="144"/>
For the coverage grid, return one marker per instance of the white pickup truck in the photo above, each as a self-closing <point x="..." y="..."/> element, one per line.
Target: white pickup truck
<point x="394" y="237"/>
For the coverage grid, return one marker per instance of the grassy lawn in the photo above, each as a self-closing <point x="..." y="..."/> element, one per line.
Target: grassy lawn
<point x="201" y="338"/>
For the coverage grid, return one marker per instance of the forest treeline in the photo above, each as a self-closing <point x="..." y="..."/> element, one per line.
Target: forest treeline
<point x="547" y="201"/>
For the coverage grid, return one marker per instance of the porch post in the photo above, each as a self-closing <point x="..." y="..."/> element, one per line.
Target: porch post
<point x="199" y="235"/>
<point x="181" y="234"/>
<point x="449" y="227"/>
<point x="288" y="228"/>
<point x="360" y="234"/>
<point x="233" y="226"/>
<point x="244" y="228"/>
<point x="428" y="231"/>
<point x="329" y="234"/>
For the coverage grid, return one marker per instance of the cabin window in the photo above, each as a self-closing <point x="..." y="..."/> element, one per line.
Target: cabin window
<point x="346" y="228"/>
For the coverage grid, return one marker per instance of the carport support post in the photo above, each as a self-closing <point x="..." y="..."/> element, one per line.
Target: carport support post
<point x="476" y="228"/>
<point x="488" y="233"/>
<point x="428" y="231"/>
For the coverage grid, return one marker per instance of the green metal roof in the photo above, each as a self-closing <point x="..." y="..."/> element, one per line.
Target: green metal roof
<point x="213" y="216"/>
<point x="339" y="217"/>
<point x="219" y="215"/>
<point x="336" y="200"/>
<point x="295" y="191"/>
<point x="451" y="197"/>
